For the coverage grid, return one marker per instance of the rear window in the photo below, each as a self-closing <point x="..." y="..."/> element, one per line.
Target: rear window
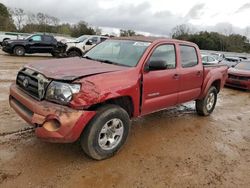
<point x="188" y="56"/>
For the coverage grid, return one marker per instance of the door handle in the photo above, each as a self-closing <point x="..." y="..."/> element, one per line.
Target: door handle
<point x="198" y="73"/>
<point x="176" y="76"/>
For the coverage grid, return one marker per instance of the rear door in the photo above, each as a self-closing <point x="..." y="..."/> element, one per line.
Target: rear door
<point x="160" y="87"/>
<point x="191" y="73"/>
<point x="48" y="44"/>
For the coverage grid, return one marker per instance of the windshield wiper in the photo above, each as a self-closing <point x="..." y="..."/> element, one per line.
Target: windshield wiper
<point x="107" y="61"/>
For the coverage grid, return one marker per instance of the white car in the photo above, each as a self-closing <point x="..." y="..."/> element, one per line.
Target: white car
<point x="208" y="59"/>
<point x="218" y="56"/>
<point x="11" y="36"/>
<point x="82" y="44"/>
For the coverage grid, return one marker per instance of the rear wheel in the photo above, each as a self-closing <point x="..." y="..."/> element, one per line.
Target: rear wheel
<point x="74" y="53"/>
<point x="206" y="105"/>
<point x="106" y="133"/>
<point x="19" y="51"/>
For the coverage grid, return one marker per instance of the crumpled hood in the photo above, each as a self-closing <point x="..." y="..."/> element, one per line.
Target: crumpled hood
<point x="72" y="68"/>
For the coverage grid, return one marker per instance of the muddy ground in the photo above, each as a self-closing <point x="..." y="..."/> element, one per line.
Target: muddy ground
<point x="172" y="148"/>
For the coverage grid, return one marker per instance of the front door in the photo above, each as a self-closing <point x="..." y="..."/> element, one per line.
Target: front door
<point x="160" y="87"/>
<point x="35" y="43"/>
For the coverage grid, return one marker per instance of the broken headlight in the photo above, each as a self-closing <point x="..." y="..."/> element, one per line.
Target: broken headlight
<point x="61" y="93"/>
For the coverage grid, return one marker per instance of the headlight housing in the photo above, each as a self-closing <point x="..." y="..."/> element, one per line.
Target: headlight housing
<point x="60" y="92"/>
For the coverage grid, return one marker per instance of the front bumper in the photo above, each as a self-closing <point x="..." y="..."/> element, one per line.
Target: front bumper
<point x="7" y="49"/>
<point x="241" y="84"/>
<point x="37" y="113"/>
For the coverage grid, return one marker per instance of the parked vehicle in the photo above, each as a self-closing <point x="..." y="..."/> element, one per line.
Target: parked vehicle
<point x="11" y="36"/>
<point x="231" y="61"/>
<point x="82" y="44"/>
<point x="218" y="56"/>
<point x="37" y="43"/>
<point x="93" y="98"/>
<point x="239" y="76"/>
<point x="208" y="59"/>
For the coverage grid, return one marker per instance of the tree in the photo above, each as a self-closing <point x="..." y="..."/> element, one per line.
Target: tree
<point x="82" y="28"/>
<point x="181" y="32"/>
<point x="6" y="21"/>
<point x="127" y="33"/>
<point x="19" y="17"/>
<point x="98" y="31"/>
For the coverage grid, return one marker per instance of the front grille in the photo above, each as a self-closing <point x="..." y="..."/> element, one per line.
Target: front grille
<point x="246" y="78"/>
<point x="237" y="85"/>
<point x="32" y="82"/>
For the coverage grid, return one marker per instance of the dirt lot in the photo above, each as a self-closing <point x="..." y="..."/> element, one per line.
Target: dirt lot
<point x="172" y="148"/>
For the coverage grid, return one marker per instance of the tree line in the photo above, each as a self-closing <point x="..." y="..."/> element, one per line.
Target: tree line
<point x="18" y="20"/>
<point x="213" y="40"/>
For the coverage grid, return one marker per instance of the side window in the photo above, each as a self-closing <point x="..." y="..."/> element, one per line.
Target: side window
<point x="188" y="56"/>
<point x="94" y="40"/>
<point x="166" y="53"/>
<point x="47" y="38"/>
<point x="37" y="38"/>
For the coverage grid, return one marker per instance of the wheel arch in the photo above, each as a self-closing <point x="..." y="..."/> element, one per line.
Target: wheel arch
<point x="74" y="49"/>
<point x="125" y="102"/>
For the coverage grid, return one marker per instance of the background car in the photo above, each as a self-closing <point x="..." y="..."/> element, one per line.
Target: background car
<point x="37" y="43"/>
<point x="82" y="44"/>
<point x="239" y="76"/>
<point x="11" y="36"/>
<point x="208" y="59"/>
<point x="218" y="56"/>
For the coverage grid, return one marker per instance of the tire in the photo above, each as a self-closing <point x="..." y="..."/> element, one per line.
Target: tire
<point x="205" y="106"/>
<point x="74" y="53"/>
<point x="106" y="133"/>
<point x="19" y="51"/>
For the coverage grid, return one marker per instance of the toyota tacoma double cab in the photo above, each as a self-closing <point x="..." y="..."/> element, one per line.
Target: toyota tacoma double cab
<point x="94" y="98"/>
<point x="37" y="43"/>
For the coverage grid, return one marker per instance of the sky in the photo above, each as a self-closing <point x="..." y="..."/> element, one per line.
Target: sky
<point x="156" y="16"/>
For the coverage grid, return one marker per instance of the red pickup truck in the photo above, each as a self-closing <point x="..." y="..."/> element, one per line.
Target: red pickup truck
<point x="94" y="97"/>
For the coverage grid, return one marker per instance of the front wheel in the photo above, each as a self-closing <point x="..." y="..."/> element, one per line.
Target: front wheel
<point x="206" y="105"/>
<point x="19" y="51"/>
<point x="106" y="133"/>
<point x="74" y="53"/>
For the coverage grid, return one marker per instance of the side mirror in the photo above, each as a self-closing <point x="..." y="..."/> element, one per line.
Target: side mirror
<point x="157" y="65"/>
<point x="89" y="42"/>
<point x="30" y="40"/>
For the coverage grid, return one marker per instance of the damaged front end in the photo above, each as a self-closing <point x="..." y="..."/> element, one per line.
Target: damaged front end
<point x="54" y="119"/>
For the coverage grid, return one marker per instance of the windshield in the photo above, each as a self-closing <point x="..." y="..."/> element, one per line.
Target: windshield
<point x="243" y="66"/>
<point x="120" y="52"/>
<point x="81" y="38"/>
<point x="28" y="37"/>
